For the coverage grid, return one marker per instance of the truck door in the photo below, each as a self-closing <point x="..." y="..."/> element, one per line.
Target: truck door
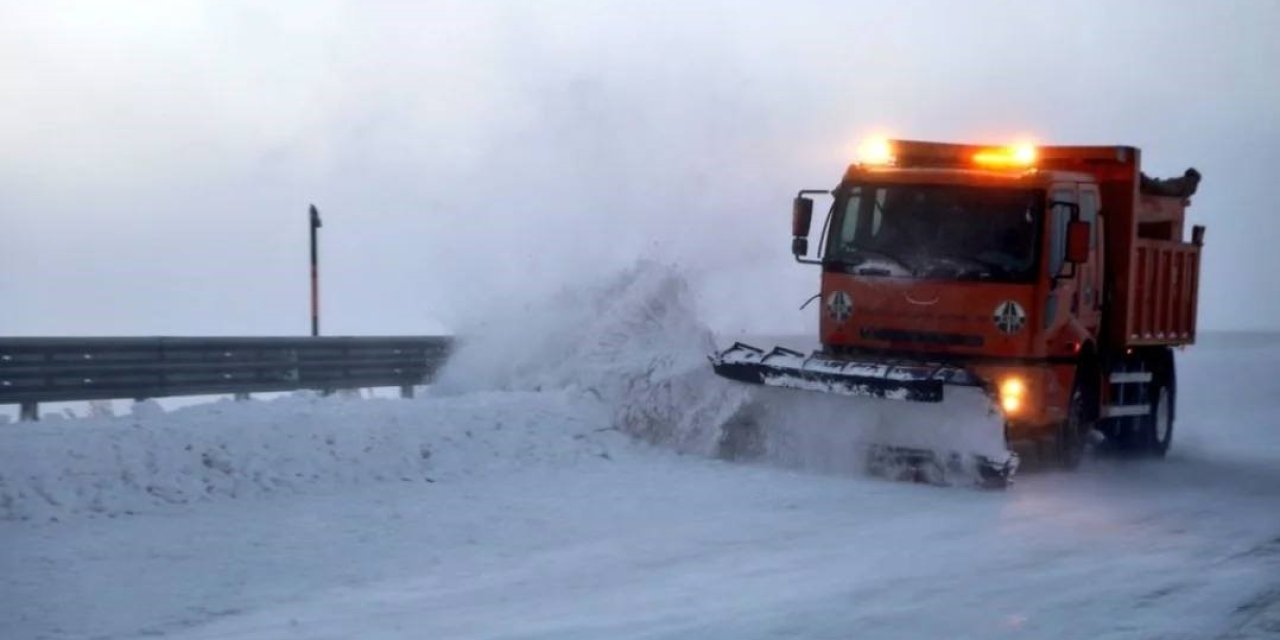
<point x="1088" y="297"/>
<point x="1078" y="296"/>
<point x="1059" y="300"/>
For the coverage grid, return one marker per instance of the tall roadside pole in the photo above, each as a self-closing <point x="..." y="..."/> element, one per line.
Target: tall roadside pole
<point x="315" y="274"/>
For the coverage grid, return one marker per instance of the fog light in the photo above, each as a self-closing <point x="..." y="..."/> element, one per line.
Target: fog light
<point x="1010" y="404"/>
<point x="1012" y="392"/>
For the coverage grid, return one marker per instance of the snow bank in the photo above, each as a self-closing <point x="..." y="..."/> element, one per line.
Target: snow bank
<point x="239" y="449"/>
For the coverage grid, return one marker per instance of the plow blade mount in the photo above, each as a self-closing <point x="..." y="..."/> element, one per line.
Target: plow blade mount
<point x="928" y="422"/>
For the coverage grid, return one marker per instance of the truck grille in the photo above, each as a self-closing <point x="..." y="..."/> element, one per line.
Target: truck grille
<point x="923" y="337"/>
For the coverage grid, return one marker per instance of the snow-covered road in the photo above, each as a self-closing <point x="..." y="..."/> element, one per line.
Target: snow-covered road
<point x="645" y="543"/>
<point x="518" y="514"/>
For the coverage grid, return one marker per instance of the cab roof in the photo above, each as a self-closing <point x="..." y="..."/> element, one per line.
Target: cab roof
<point x="1026" y="178"/>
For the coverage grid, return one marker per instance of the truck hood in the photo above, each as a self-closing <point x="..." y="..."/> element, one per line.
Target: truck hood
<point x="907" y="315"/>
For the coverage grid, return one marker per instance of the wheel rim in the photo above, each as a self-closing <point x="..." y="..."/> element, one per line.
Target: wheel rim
<point x="1163" y="424"/>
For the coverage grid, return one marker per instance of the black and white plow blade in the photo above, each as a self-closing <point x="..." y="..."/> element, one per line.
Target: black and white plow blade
<point x="945" y="430"/>
<point x="894" y="380"/>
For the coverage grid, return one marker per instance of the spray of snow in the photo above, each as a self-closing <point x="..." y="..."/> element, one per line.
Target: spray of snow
<point x="632" y="342"/>
<point x="833" y="433"/>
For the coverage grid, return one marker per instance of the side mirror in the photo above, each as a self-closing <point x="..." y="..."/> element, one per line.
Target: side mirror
<point x="801" y="218"/>
<point x="1078" y="242"/>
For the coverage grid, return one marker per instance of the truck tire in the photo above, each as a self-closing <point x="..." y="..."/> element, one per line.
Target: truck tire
<point x="1152" y="434"/>
<point x="1073" y="433"/>
<point x="1156" y="430"/>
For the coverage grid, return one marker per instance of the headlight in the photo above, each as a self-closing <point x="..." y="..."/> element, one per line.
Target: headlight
<point x="1013" y="391"/>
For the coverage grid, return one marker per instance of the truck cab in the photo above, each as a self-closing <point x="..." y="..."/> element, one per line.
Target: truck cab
<point x="1045" y="271"/>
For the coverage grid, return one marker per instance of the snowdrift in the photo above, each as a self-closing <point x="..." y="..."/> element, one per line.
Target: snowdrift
<point x="230" y="449"/>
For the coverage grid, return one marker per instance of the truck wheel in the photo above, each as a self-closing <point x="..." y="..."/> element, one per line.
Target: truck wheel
<point x="1073" y="433"/>
<point x="1157" y="428"/>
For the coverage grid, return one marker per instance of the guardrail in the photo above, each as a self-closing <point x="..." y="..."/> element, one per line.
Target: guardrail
<point x="35" y="370"/>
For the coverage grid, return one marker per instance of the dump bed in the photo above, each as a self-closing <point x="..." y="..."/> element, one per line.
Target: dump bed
<point x="1164" y="277"/>
<point x="1152" y="270"/>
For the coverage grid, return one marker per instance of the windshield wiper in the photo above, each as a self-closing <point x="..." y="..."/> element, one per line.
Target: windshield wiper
<point x="974" y="267"/>
<point x="873" y="253"/>
<point x="992" y="266"/>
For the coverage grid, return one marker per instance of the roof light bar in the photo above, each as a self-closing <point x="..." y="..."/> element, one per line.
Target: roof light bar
<point x="876" y="151"/>
<point x="880" y="151"/>
<point x="1018" y="155"/>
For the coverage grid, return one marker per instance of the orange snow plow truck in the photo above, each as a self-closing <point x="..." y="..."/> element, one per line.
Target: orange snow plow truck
<point x="1051" y="283"/>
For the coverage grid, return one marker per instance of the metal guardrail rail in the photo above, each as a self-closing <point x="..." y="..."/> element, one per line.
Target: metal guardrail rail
<point x="35" y="370"/>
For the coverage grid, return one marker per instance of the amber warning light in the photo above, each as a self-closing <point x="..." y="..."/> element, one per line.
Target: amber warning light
<point x="875" y="151"/>
<point x="1018" y="155"/>
<point x="879" y="151"/>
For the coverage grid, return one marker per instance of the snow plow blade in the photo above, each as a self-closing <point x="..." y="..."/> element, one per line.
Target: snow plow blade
<point x="914" y="408"/>
<point x="782" y="367"/>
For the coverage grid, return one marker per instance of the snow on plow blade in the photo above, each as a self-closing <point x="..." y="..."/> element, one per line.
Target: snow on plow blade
<point x="948" y="430"/>
<point x="783" y="367"/>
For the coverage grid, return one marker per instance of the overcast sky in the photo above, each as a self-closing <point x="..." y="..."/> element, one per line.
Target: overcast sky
<point x="157" y="158"/>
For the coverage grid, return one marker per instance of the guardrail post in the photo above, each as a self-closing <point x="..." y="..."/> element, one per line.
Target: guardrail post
<point x="29" y="411"/>
<point x="406" y="391"/>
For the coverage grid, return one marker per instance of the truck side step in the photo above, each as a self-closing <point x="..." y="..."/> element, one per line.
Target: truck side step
<point x="1127" y="377"/>
<point x="1125" y="410"/>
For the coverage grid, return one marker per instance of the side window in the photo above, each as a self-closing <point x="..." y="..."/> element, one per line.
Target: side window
<point x="852" y="210"/>
<point x="878" y="213"/>
<point x="1089" y="213"/>
<point x="1060" y="216"/>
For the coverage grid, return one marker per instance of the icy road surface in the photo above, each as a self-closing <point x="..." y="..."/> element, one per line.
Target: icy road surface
<point x="649" y="544"/>
<point x="523" y="514"/>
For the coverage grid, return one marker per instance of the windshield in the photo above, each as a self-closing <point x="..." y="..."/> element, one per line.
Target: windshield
<point x="936" y="231"/>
